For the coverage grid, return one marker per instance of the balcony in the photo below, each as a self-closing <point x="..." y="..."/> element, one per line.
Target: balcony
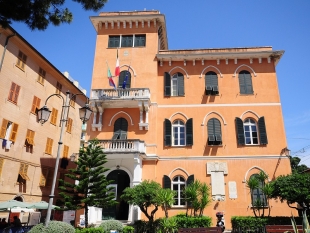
<point x="117" y="148"/>
<point x="101" y="99"/>
<point x="129" y="98"/>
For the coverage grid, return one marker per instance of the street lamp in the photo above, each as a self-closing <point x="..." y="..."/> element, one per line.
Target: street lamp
<point x="43" y="115"/>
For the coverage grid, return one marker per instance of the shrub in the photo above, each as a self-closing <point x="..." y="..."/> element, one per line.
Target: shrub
<point x="90" y="230"/>
<point x="53" y="226"/>
<point x="112" y="225"/>
<point x="184" y="221"/>
<point x="128" y="229"/>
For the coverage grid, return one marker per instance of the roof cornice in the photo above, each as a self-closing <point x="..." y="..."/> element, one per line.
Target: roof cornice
<point x="191" y="55"/>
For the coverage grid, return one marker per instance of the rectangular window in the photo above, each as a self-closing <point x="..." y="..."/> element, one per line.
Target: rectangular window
<point x="49" y="146"/>
<point x="58" y="88"/>
<point x="23" y="170"/>
<point x="1" y="165"/>
<point x="46" y="178"/>
<point x="35" y="104"/>
<point x="139" y="41"/>
<point x="54" y="116"/>
<point x="69" y="125"/>
<point x="41" y="76"/>
<point x="72" y="101"/>
<point x="65" y="152"/>
<point x="8" y="130"/>
<point x="127" y="41"/>
<point x="14" y="92"/>
<point x="29" y="138"/>
<point x="114" y="41"/>
<point x="21" y="60"/>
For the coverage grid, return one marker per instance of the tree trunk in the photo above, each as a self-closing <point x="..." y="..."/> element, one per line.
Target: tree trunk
<point x="86" y="215"/>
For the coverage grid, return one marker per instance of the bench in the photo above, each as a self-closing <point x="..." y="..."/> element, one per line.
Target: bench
<point x="282" y="228"/>
<point x="201" y="230"/>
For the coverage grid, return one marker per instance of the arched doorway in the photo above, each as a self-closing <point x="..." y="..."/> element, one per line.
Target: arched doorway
<point x="19" y="198"/>
<point x="121" y="181"/>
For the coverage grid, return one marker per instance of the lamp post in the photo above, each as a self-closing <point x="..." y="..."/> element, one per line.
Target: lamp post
<point x="43" y="115"/>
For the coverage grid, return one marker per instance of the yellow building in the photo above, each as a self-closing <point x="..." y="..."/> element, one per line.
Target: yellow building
<point x="28" y="149"/>
<point x="208" y="114"/>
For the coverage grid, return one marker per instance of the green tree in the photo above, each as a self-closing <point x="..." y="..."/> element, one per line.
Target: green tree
<point x="293" y="188"/>
<point x="88" y="186"/>
<point x="197" y="195"/>
<point x="38" y="14"/>
<point x="146" y="196"/>
<point x="166" y="197"/>
<point x="258" y="183"/>
<point x="296" y="167"/>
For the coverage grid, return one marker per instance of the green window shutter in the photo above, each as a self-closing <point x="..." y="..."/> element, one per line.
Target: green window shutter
<point x="211" y="83"/>
<point x="240" y="131"/>
<point x="262" y="131"/>
<point x="166" y="182"/>
<point x="214" y="132"/>
<point x="245" y="82"/>
<point x="190" y="179"/>
<point x="189" y="132"/>
<point x="167" y="130"/>
<point x="242" y="83"/>
<point x="120" y="129"/>
<point x="248" y="83"/>
<point x="181" y="85"/>
<point x="167" y="84"/>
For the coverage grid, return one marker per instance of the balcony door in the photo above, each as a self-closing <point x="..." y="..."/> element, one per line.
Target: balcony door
<point x="121" y="181"/>
<point x="120" y="129"/>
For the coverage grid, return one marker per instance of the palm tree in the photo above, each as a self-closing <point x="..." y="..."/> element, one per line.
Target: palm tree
<point x="167" y="199"/>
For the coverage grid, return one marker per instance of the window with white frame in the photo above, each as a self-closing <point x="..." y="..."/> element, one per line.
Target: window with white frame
<point x="250" y="132"/>
<point x="178" y="129"/>
<point x="178" y="185"/>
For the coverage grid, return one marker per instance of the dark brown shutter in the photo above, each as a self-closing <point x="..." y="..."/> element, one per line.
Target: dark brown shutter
<point x="166" y="182"/>
<point x="167" y="131"/>
<point x="189" y="132"/>
<point x="167" y="84"/>
<point x="240" y="131"/>
<point x="262" y="131"/>
<point x="190" y="179"/>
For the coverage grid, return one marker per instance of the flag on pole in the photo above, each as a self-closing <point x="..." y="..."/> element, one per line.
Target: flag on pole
<point x="126" y="78"/>
<point x="111" y="82"/>
<point x="117" y="69"/>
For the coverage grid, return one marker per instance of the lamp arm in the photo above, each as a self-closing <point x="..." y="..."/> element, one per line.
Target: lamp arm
<point x="63" y="100"/>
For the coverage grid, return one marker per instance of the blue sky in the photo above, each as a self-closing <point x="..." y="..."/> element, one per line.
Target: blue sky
<point x="284" y="25"/>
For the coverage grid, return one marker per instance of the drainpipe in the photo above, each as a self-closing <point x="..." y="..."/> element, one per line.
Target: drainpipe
<point x="6" y="44"/>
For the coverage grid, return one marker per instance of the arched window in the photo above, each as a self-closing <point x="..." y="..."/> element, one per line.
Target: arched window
<point x="174" y="86"/>
<point x="124" y="79"/>
<point x="257" y="196"/>
<point x="214" y="132"/>
<point x="245" y="82"/>
<point x="211" y="83"/>
<point x="250" y="132"/>
<point x="178" y="185"/>
<point x="178" y="132"/>
<point x="120" y="129"/>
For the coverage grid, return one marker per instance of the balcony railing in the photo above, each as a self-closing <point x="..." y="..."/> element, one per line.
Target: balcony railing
<point x="131" y="93"/>
<point x="123" y="146"/>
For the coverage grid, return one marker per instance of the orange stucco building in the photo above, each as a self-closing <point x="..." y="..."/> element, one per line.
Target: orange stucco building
<point x="177" y="115"/>
<point x="28" y="149"/>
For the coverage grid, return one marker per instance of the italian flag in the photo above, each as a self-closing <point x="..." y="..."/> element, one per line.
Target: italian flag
<point x="117" y="69"/>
